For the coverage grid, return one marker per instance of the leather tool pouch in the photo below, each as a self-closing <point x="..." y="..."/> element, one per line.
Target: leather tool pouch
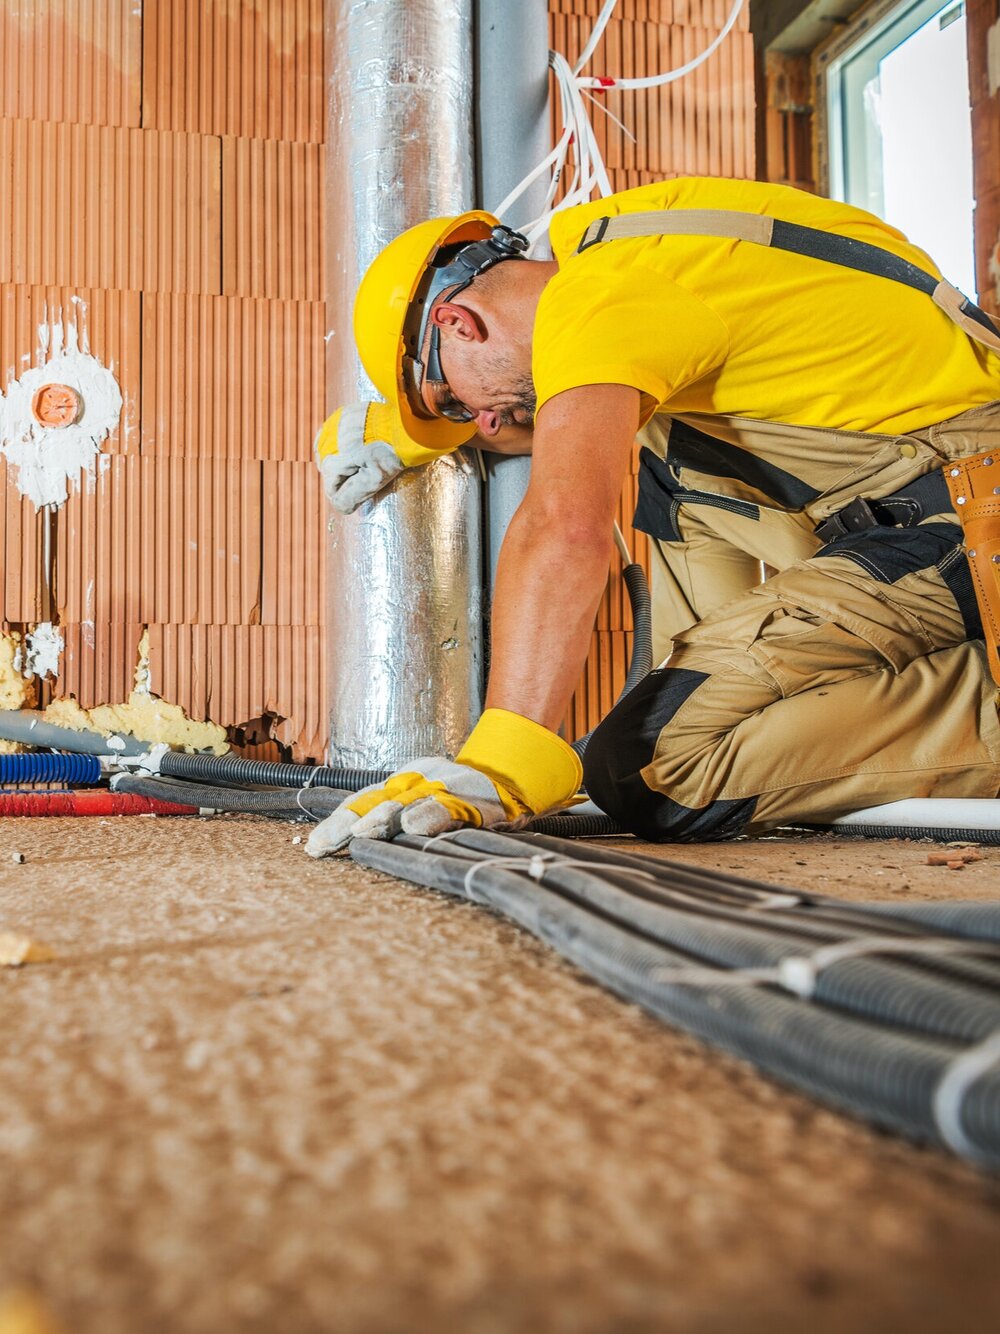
<point x="974" y="486"/>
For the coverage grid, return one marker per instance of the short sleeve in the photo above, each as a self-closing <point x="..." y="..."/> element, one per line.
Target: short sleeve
<point x="631" y="325"/>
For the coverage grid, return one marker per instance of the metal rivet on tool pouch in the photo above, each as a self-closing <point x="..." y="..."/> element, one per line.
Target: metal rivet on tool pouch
<point x="971" y="555"/>
<point x="955" y="472"/>
<point x="988" y="463"/>
<point x="959" y="500"/>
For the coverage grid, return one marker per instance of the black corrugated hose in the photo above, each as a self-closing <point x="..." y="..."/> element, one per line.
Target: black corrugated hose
<point x="227" y="768"/>
<point x="637" y="587"/>
<point x="872" y="1067"/>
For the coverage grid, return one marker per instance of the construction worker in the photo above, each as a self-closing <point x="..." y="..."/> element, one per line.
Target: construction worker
<point x="807" y="375"/>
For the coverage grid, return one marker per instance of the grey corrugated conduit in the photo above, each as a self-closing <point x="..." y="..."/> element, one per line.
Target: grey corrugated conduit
<point x="316" y="802"/>
<point x="31" y="729"/>
<point x="896" y="990"/>
<point x="818" y="915"/>
<point x="973" y="921"/>
<point x="790" y="1017"/>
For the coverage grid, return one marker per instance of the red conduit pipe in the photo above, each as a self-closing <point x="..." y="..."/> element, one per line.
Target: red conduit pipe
<point x="87" y="803"/>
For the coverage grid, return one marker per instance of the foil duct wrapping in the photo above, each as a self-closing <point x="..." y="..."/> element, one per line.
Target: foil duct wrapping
<point x="405" y="572"/>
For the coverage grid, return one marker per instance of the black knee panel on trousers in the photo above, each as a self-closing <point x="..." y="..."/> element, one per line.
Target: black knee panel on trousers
<point x="624" y="743"/>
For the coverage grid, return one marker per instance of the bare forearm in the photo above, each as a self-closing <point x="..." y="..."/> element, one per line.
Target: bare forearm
<point x="549" y="584"/>
<point x="555" y="556"/>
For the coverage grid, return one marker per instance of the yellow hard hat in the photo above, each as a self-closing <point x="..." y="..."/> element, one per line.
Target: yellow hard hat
<point x="393" y="281"/>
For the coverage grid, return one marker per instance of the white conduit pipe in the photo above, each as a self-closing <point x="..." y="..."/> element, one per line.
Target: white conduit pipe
<point x="926" y="813"/>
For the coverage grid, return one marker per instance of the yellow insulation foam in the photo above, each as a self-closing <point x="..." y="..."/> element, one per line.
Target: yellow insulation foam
<point x="143" y="715"/>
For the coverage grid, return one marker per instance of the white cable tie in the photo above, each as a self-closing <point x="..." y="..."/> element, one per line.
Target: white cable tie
<point x="535" y="866"/>
<point x="610" y="114"/>
<point x="707" y="976"/>
<point x="798" y="973"/>
<point x="771" y="901"/>
<point x="447" y="837"/>
<point x="952" y="1088"/>
<point x="298" y="801"/>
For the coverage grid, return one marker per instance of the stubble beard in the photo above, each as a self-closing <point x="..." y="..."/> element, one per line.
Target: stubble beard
<point x="519" y="410"/>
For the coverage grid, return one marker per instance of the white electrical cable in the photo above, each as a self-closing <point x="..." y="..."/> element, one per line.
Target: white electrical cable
<point x="588" y="170"/>
<point x="622" y="545"/>
<point x="596" y="35"/>
<point x="657" y="80"/>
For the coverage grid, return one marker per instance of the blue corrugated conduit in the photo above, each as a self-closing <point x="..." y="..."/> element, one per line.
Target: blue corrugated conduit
<point x="35" y="767"/>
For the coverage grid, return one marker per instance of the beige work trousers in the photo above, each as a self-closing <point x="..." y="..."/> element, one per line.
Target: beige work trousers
<point x="841" y="682"/>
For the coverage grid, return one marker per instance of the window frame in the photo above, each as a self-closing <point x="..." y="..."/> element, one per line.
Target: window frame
<point x="879" y="28"/>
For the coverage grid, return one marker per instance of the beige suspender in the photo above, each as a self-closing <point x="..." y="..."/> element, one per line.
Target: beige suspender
<point x="764" y="230"/>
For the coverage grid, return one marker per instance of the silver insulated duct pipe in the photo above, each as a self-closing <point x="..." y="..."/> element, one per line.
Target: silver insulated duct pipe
<point x="404" y="572"/>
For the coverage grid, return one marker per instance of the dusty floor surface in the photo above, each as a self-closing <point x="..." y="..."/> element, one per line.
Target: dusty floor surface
<point x="263" y="1093"/>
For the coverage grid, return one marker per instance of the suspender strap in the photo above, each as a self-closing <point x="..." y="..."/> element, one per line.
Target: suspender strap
<point x="809" y="241"/>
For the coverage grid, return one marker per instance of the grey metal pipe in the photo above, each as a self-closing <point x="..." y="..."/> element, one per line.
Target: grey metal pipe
<point x="30" y="728"/>
<point x="512" y="137"/>
<point x="405" y="575"/>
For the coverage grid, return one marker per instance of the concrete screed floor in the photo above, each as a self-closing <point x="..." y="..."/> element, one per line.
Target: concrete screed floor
<point x="262" y="1093"/>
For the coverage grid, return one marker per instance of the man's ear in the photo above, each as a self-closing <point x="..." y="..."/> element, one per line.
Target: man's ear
<point x="460" y="321"/>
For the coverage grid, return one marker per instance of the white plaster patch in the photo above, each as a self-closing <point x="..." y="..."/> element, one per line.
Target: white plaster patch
<point x="42" y="647"/>
<point x="48" y="459"/>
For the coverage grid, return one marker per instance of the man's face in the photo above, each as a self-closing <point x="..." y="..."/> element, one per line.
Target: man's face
<point x="481" y="374"/>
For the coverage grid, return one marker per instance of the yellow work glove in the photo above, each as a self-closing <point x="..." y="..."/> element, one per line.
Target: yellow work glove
<point x="509" y="769"/>
<point x="360" y="449"/>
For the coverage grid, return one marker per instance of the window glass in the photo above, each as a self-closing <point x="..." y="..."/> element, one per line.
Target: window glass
<point x="900" y="130"/>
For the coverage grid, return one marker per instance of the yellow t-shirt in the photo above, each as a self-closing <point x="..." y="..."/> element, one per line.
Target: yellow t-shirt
<point x="708" y="325"/>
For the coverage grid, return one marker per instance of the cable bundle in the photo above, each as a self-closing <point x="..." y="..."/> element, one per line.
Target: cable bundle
<point x="577" y="144"/>
<point x="868" y="1008"/>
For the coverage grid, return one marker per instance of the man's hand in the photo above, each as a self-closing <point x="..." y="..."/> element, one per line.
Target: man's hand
<point x="509" y="769"/>
<point x="355" y="462"/>
<point x="360" y="449"/>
